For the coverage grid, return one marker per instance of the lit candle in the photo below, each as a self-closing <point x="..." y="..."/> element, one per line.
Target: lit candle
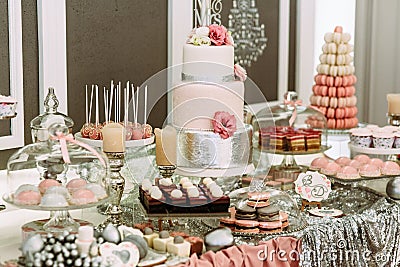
<point x="165" y="146"/>
<point x="393" y="103"/>
<point x="114" y="138"/>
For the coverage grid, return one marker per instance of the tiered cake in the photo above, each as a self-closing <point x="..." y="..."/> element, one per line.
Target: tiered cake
<point x="334" y="91"/>
<point x="208" y="107"/>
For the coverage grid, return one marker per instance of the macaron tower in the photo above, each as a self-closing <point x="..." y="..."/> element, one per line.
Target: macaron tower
<point x="334" y="91"/>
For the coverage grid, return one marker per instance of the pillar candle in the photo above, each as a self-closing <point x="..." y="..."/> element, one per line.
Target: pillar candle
<point x="114" y="138"/>
<point x="165" y="146"/>
<point x="393" y="103"/>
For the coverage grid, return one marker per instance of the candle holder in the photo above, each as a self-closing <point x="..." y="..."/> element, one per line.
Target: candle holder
<point x="167" y="171"/>
<point x="393" y="119"/>
<point x="115" y="184"/>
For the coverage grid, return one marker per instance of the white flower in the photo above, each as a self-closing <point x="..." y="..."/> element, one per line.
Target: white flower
<point x="202" y="31"/>
<point x="200" y="40"/>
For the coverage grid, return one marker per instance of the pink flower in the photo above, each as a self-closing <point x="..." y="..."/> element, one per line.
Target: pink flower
<point x="229" y="39"/>
<point x="240" y="72"/>
<point x="217" y="34"/>
<point x="224" y="124"/>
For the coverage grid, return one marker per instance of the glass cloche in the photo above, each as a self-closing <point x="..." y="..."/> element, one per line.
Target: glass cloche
<point x="269" y="202"/>
<point x="59" y="174"/>
<point x="291" y="118"/>
<point x="289" y="128"/>
<point x="41" y="123"/>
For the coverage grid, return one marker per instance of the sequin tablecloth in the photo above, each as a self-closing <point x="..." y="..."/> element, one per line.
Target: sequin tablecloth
<point x="368" y="234"/>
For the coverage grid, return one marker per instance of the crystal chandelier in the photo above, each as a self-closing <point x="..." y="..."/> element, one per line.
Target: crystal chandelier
<point x="249" y="35"/>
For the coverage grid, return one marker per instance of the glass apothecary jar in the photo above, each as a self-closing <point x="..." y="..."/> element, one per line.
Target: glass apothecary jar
<point x="40" y="124"/>
<point x="58" y="175"/>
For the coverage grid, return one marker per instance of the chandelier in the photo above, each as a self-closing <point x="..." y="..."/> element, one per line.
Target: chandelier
<point x="249" y="35"/>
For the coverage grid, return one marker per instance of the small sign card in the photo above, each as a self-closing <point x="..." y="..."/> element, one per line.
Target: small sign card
<point x="313" y="186"/>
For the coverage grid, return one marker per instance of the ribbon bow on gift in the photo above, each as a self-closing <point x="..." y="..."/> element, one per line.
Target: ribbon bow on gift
<point x="63" y="139"/>
<point x="293" y="104"/>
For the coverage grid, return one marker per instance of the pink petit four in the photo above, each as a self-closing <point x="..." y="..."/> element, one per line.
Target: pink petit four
<point x="331" y="168"/>
<point x="47" y="183"/>
<point x="76" y="184"/>
<point x="82" y="197"/>
<point x="348" y="172"/>
<point x="355" y="164"/>
<point x="390" y="168"/>
<point x="377" y="162"/>
<point x="319" y="163"/>
<point x="370" y="170"/>
<point x="363" y="159"/>
<point x="27" y="198"/>
<point x="343" y="161"/>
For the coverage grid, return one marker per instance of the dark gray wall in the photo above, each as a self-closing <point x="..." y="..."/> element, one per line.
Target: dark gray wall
<point x="114" y="40"/>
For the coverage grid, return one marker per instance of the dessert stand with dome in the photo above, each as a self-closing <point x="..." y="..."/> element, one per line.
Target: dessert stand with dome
<point x="290" y="113"/>
<point x="62" y="160"/>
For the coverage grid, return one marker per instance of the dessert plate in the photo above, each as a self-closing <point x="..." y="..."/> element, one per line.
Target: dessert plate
<point x="325" y="212"/>
<point x="129" y="143"/>
<point x="9" y="199"/>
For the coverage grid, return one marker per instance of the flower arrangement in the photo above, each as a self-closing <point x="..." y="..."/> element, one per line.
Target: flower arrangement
<point x="210" y="35"/>
<point x="224" y="124"/>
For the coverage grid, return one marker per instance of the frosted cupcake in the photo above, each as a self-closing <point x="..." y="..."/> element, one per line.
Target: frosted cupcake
<point x="361" y="137"/>
<point x="383" y="140"/>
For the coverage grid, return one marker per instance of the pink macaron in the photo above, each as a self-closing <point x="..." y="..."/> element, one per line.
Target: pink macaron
<point x="340" y="92"/>
<point x="340" y="113"/>
<point x="338" y="81"/>
<point x="330" y="113"/>
<point x="350" y="90"/>
<point x="330" y="81"/>
<point x="332" y="91"/>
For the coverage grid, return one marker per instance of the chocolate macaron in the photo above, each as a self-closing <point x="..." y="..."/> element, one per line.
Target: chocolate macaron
<point x="270" y="227"/>
<point x="268" y="214"/>
<point x="247" y="226"/>
<point x="245" y="212"/>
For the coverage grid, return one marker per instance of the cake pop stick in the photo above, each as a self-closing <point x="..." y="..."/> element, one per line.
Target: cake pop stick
<point x="111" y="100"/>
<point x="134" y="104"/>
<point x="137" y="102"/>
<point x="97" y="105"/>
<point x="119" y="101"/>
<point x="91" y="101"/>
<point x="86" y="105"/>
<point x="105" y="97"/>
<point x="145" y="105"/>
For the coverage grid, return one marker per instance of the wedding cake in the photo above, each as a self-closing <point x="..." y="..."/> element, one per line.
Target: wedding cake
<point x="208" y="107"/>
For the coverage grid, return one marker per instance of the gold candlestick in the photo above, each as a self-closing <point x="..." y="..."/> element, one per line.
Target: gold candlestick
<point x="167" y="171"/>
<point x="394" y="119"/>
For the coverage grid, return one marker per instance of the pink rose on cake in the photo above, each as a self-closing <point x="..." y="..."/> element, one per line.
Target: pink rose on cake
<point x="224" y="124"/>
<point x="240" y="72"/>
<point x="217" y="34"/>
